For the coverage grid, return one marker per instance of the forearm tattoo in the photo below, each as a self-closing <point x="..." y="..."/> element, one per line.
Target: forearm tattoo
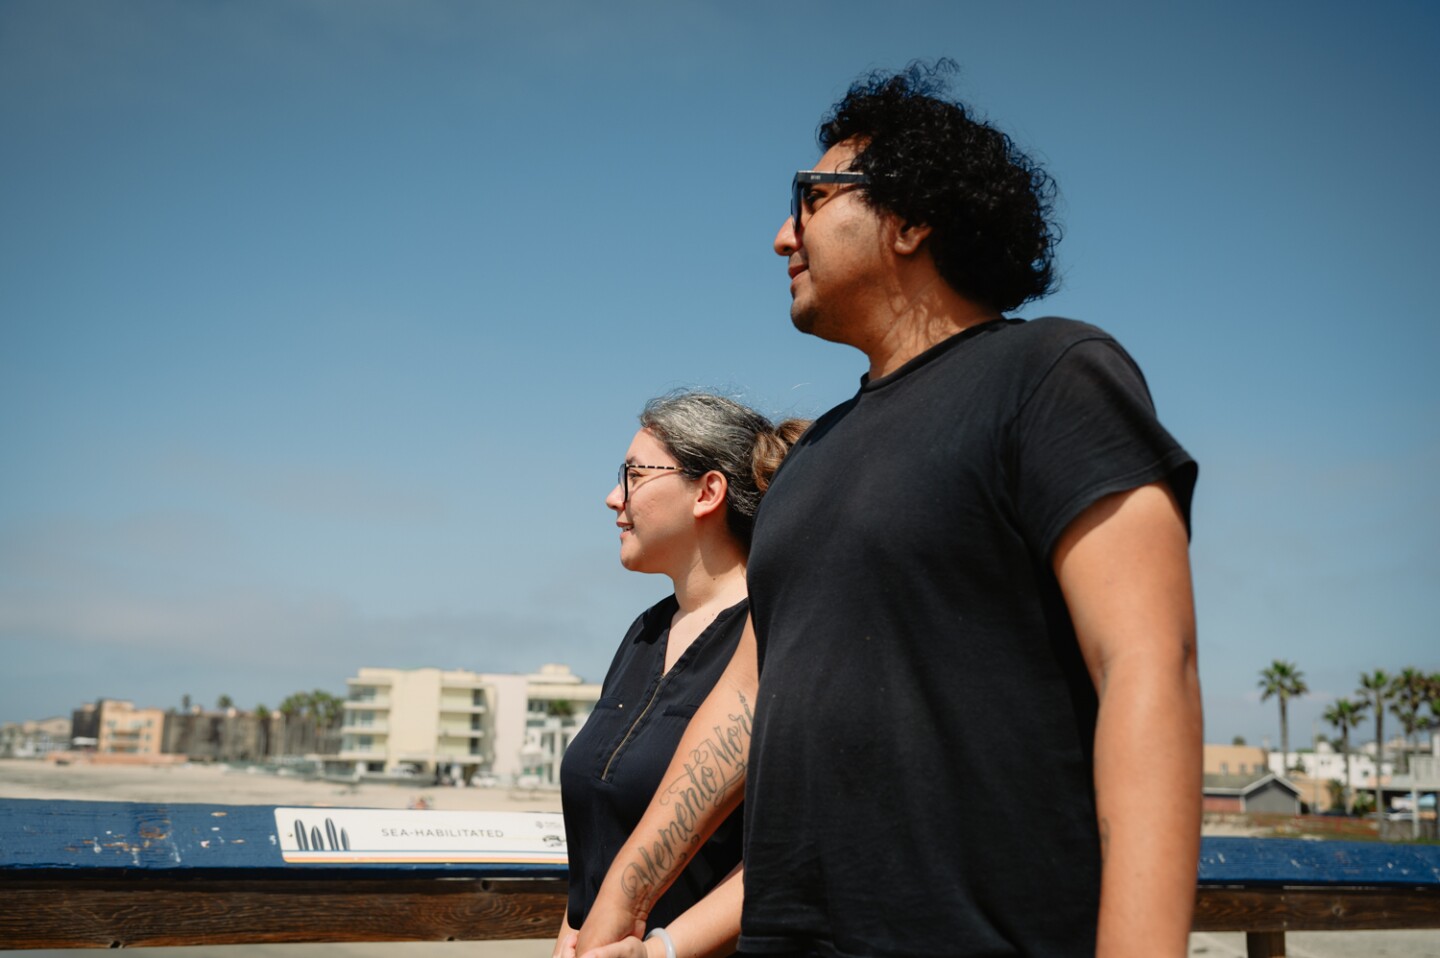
<point x="713" y="770"/>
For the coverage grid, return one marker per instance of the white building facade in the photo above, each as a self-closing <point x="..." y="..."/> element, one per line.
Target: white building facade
<point x="1327" y="764"/>
<point x="430" y="721"/>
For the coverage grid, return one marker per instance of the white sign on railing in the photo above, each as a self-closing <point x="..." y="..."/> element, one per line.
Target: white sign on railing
<point x="359" y="835"/>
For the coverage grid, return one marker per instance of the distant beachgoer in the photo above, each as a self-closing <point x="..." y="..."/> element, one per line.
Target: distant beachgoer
<point x="685" y="504"/>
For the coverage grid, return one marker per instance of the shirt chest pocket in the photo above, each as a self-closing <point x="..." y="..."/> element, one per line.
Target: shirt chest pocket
<point x="645" y="748"/>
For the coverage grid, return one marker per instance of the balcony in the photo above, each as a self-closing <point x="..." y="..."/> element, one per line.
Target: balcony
<point x="462" y="733"/>
<point x="462" y="708"/>
<point x="359" y="754"/>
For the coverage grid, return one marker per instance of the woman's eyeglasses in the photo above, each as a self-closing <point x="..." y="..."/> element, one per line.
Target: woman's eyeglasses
<point x="624" y="480"/>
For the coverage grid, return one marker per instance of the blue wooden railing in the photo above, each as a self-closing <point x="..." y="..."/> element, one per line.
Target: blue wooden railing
<point x="103" y="874"/>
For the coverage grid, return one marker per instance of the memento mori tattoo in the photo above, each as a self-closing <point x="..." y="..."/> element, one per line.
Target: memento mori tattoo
<point x="713" y="770"/>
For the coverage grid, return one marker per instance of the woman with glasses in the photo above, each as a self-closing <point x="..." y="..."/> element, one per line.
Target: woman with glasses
<point x="685" y="505"/>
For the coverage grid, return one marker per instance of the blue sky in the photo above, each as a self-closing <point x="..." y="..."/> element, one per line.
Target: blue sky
<point x="323" y="324"/>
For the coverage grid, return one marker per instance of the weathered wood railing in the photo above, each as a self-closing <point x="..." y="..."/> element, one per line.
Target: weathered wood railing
<point x="127" y="875"/>
<point x="109" y="875"/>
<point x="1268" y="886"/>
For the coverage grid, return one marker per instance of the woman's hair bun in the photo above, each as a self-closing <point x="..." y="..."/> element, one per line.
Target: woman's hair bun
<point x="771" y="448"/>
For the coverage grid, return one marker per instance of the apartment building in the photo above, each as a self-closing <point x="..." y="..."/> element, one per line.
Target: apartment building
<point x="556" y="706"/>
<point x="223" y="735"/>
<point x="1324" y="763"/>
<point x="34" y="739"/>
<point x="430" y="721"/>
<point x="1237" y="760"/>
<point x="122" y="729"/>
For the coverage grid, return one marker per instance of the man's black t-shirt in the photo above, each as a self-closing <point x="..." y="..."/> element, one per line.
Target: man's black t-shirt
<point x="616" y="763"/>
<point x="921" y="768"/>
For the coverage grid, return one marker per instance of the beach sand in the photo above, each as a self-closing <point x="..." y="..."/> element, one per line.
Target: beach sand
<point x="218" y="784"/>
<point x="207" y="784"/>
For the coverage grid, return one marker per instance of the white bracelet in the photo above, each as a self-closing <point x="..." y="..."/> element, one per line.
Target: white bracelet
<point x="664" y="937"/>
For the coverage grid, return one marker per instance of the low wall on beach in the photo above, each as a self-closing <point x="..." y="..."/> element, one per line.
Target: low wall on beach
<point x="1328" y="827"/>
<point x="113" y="758"/>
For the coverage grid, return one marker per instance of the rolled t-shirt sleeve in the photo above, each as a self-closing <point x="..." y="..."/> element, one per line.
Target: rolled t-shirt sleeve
<point x="1088" y="429"/>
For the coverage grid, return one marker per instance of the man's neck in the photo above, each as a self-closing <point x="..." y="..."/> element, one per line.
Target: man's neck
<point x="916" y="323"/>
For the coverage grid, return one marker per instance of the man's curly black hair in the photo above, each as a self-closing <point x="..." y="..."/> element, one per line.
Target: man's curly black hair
<point x="989" y="205"/>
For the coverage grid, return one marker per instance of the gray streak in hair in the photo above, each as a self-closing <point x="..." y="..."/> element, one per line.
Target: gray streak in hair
<point x="706" y="432"/>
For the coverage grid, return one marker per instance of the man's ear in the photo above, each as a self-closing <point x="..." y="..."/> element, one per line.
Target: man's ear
<point x="909" y="237"/>
<point x="711" y="495"/>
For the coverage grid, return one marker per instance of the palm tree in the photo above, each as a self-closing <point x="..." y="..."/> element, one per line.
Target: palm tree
<point x="1378" y="691"/>
<point x="1283" y="681"/>
<point x="323" y="713"/>
<point x="1410" y="688"/>
<point x="1432" y="700"/>
<point x="224" y="702"/>
<point x="291" y="707"/>
<point x="1345" y="714"/>
<point x="262" y="718"/>
<point x="324" y="708"/>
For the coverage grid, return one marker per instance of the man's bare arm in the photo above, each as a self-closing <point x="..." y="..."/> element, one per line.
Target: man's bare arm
<point x="1124" y="568"/>
<point x="704" y="783"/>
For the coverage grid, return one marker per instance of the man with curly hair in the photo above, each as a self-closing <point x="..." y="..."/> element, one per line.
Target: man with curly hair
<point x="970" y="691"/>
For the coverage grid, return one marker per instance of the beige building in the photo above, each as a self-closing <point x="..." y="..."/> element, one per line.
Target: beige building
<point x="429" y="722"/>
<point x="126" y="730"/>
<point x="34" y="739"/>
<point x="1236" y="760"/>
<point x="1237" y="779"/>
<point x="1310" y="772"/>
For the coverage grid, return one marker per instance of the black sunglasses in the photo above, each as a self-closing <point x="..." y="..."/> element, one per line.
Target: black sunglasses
<point x="807" y="178"/>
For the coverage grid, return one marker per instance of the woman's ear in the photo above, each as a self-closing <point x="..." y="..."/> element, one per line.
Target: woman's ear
<point x="711" y="494"/>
